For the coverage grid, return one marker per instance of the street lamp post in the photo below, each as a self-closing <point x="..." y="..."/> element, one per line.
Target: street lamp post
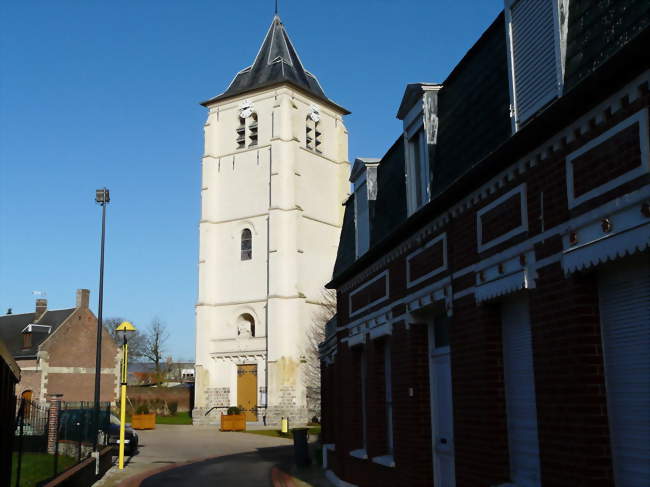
<point x="102" y="197"/>
<point x="122" y="331"/>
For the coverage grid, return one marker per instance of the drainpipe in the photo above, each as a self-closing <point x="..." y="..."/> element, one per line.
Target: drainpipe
<point x="268" y="290"/>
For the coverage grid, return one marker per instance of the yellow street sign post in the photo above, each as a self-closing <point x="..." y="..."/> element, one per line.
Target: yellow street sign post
<point x="122" y="332"/>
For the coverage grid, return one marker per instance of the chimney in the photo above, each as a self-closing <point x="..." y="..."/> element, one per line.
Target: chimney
<point x="41" y="308"/>
<point x="83" y="298"/>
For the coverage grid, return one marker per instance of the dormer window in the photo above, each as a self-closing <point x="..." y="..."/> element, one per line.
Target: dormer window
<point x="417" y="170"/>
<point x="247" y="129"/>
<point x="364" y="178"/>
<point x="536" y="34"/>
<point x="419" y="114"/>
<point x="313" y="131"/>
<point x="27" y="340"/>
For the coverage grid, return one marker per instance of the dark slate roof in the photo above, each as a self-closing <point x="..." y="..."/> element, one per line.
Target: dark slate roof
<point x="597" y="30"/>
<point x="11" y="327"/>
<point x="386" y="213"/>
<point x="276" y="62"/>
<point x="607" y="46"/>
<point x="473" y="105"/>
<point x="346" y="253"/>
<point x="390" y="207"/>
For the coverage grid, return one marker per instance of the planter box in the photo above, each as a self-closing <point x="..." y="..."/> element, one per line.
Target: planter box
<point x="233" y="422"/>
<point x="143" y="421"/>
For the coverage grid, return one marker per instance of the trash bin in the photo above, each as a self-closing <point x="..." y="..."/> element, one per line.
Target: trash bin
<point x="301" y="446"/>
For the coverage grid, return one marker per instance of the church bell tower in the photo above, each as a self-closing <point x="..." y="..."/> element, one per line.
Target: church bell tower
<point x="274" y="174"/>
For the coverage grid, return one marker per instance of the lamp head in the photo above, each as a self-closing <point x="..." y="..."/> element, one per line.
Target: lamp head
<point x="124" y="330"/>
<point x="102" y="196"/>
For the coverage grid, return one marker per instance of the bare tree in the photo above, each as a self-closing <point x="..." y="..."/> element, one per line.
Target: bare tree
<point x="137" y="340"/>
<point x="155" y="339"/>
<point x="315" y="335"/>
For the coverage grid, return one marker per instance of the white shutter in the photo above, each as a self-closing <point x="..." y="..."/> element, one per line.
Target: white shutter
<point x="624" y="296"/>
<point x="519" y="380"/>
<point x="533" y="38"/>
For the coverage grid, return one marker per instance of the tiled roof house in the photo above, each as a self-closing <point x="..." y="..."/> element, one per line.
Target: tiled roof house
<point x="55" y="350"/>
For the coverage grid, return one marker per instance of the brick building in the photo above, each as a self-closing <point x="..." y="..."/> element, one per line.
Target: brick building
<point x="493" y="274"/>
<point x="9" y="376"/>
<point x="55" y="350"/>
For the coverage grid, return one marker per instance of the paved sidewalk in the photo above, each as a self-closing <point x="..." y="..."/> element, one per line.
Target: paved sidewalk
<point x="173" y="445"/>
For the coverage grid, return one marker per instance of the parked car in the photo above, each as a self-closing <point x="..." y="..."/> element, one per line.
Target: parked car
<point x="75" y="425"/>
<point x="130" y="436"/>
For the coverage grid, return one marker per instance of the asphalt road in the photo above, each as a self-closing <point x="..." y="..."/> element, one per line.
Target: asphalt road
<point x="250" y="469"/>
<point x="170" y="445"/>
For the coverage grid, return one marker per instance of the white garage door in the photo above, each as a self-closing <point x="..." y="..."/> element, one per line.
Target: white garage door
<point x="624" y="296"/>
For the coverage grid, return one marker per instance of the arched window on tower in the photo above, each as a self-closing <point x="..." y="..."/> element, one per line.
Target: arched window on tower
<point x="245" y="326"/>
<point x="252" y="130"/>
<point x="313" y="131"/>
<point x="246" y="244"/>
<point x="241" y="133"/>
<point x="247" y="129"/>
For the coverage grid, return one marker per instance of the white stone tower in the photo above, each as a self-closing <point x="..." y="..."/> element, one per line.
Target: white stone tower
<point x="275" y="173"/>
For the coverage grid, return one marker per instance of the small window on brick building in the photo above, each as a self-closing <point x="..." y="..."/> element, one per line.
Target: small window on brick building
<point x="27" y="340"/>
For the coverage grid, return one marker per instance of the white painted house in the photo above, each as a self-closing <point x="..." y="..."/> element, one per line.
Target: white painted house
<point x="275" y="174"/>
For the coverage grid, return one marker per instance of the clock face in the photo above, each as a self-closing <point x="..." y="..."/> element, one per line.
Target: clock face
<point x="314" y="113"/>
<point x="246" y="109"/>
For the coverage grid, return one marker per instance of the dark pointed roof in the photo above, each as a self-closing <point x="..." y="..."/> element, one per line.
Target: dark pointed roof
<point x="276" y="62"/>
<point x="11" y="327"/>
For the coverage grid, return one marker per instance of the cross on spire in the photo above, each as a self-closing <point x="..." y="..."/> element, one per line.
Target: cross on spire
<point x="276" y="7"/>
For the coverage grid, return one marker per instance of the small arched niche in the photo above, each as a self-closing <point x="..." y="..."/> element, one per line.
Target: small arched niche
<point x="245" y="326"/>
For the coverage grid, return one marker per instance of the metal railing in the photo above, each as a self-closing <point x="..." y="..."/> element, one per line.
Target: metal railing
<point x="52" y="437"/>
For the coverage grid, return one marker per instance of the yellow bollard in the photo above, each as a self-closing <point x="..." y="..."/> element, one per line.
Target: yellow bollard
<point x="284" y="425"/>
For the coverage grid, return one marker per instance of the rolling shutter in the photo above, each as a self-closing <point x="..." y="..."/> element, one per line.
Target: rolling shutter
<point x="534" y="59"/>
<point x="624" y="295"/>
<point x="519" y="380"/>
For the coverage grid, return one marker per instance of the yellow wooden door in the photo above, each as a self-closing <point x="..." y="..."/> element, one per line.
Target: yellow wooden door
<point x="247" y="390"/>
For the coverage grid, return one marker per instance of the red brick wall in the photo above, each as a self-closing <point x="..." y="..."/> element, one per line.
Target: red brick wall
<point x="569" y="381"/>
<point x="567" y="354"/>
<point x="478" y="395"/>
<point x="81" y="387"/>
<point x="74" y="343"/>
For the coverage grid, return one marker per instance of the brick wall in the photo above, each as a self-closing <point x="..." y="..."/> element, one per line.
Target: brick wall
<point x="567" y="355"/>
<point x="478" y="395"/>
<point x="81" y="387"/>
<point x="569" y="381"/>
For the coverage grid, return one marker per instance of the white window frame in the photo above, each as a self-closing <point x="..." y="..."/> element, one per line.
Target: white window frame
<point x="523" y="227"/>
<point x="415" y="139"/>
<point x="642" y="118"/>
<point x="414" y="129"/>
<point x="516" y="121"/>
<point x="361" y="228"/>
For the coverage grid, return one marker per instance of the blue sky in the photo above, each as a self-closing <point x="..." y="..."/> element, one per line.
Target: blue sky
<point x="106" y="93"/>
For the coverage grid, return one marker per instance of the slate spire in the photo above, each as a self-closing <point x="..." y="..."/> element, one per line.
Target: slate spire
<point x="276" y="62"/>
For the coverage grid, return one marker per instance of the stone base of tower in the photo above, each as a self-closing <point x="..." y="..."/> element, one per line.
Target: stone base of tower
<point x="297" y="416"/>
